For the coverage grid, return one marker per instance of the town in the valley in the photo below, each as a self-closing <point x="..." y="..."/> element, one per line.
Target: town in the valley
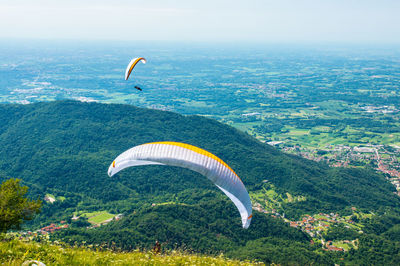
<point x="383" y="158"/>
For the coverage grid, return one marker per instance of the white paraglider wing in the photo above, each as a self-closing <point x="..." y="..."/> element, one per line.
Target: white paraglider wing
<point x="193" y="158"/>
<point x="132" y="64"/>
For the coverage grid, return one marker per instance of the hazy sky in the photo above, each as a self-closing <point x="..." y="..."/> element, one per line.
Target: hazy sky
<point x="204" y="20"/>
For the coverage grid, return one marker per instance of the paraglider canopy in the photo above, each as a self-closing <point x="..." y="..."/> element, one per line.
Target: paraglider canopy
<point x="193" y="158"/>
<point x="132" y="65"/>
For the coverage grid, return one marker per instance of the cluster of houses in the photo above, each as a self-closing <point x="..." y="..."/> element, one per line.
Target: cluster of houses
<point x="386" y="109"/>
<point x="346" y="156"/>
<point x="42" y="232"/>
<point x="312" y="225"/>
<point x="53" y="227"/>
<point x="317" y="224"/>
<point x="395" y="176"/>
<point x="338" y="155"/>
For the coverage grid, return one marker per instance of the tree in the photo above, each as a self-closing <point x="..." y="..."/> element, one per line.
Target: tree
<point x="14" y="206"/>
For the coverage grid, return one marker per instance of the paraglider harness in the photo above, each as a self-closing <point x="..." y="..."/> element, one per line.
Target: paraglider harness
<point x="157" y="247"/>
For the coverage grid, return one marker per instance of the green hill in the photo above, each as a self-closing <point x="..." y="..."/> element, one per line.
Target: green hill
<point x="68" y="146"/>
<point x="64" y="148"/>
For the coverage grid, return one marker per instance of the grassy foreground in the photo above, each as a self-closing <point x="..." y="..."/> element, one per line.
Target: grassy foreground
<point x="16" y="252"/>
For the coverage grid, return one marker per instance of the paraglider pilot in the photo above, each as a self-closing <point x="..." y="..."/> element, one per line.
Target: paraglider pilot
<point x="157" y="247"/>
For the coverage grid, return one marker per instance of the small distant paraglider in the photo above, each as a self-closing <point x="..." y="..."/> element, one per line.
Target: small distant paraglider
<point x="193" y="158"/>
<point x="131" y="66"/>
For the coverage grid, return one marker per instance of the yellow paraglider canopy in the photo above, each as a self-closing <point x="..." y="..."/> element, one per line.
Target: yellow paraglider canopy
<point x="193" y="158"/>
<point x="132" y="65"/>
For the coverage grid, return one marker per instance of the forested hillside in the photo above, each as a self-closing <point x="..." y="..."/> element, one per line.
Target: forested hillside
<point x="69" y="145"/>
<point x="64" y="148"/>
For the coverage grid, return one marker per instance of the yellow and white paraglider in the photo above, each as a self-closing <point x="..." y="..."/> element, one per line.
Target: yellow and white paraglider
<point x="132" y="65"/>
<point x="195" y="159"/>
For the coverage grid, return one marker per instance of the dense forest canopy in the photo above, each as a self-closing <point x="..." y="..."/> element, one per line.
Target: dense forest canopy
<point x="68" y="145"/>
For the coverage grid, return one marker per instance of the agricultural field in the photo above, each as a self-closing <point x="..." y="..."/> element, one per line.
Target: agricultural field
<point x="313" y="97"/>
<point x="271" y="201"/>
<point x="97" y="217"/>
